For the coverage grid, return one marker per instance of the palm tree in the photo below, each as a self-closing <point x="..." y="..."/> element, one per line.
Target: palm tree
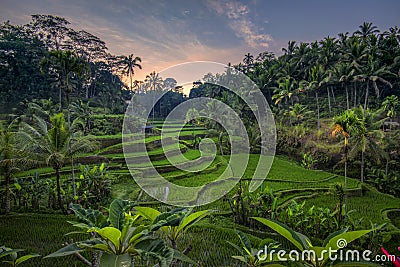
<point x="347" y="124"/>
<point x="356" y="54"/>
<point x="372" y="72"/>
<point x="11" y="157"/>
<point x="315" y="82"/>
<point x="368" y="136"/>
<point x="53" y="146"/>
<point x="286" y="90"/>
<point x="366" y="30"/>
<point x="343" y="73"/>
<point x="129" y="63"/>
<point x="66" y="66"/>
<point x="154" y="82"/>
<point x="248" y="61"/>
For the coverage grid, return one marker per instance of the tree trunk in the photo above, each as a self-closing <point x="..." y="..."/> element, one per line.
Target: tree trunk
<point x="366" y="96"/>
<point x="362" y="165"/>
<point x="318" y="122"/>
<point x="355" y="94"/>
<point x="60" y="100"/>
<point x="333" y="95"/>
<point x="8" y="200"/>
<point x="60" y="204"/>
<point x="347" y="98"/>
<point x="70" y="150"/>
<point x="345" y="182"/>
<point x="329" y="100"/>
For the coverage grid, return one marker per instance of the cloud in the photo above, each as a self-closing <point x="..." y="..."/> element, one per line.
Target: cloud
<point x="240" y="23"/>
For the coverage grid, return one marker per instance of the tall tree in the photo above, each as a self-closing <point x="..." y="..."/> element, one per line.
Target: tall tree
<point x="315" y="82"/>
<point x="55" y="144"/>
<point x="66" y="67"/>
<point x="129" y="64"/>
<point x="368" y="137"/>
<point x="372" y="72"/>
<point x="346" y="124"/>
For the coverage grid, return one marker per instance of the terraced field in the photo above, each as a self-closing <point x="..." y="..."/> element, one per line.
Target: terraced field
<point x="287" y="179"/>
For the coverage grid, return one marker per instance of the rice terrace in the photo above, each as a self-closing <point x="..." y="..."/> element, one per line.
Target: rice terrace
<point x="285" y="157"/>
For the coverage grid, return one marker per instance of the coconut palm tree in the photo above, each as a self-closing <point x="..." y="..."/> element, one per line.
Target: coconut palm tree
<point x="366" y="30"/>
<point x="65" y="66"/>
<point x="286" y="90"/>
<point x="342" y="73"/>
<point x="367" y="138"/>
<point x="129" y="64"/>
<point x="248" y="61"/>
<point x="55" y="144"/>
<point x="372" y="72"/>
<point x="315" y="82"/>
<point x="153" y="82"/>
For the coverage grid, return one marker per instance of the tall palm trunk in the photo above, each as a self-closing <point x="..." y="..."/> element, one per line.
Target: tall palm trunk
<point x="72" y="160"/>
<point x="347" y="98"/>
<point x="60" y="99"/>
<point x="8" y="200"/>
<point x="318" y="120"/>
<point x="355" y="94"/>
<point x="60" y="204"/>
<point x="333" y="95"/>
<point x="345" y="180"/>
<point x="366" y="96"/>
<point x="362" y="165"/>
<point x="329" y="100"/>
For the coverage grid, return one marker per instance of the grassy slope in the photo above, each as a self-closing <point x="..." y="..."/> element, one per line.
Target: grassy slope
<point x="213" y="251"/>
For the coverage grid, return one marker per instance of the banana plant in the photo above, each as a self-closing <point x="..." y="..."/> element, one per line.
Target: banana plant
<point x="13" y="254"/>
<point x="317" y="256"/>
<point x="119" y="238"/>
<point x="183" y="219"/>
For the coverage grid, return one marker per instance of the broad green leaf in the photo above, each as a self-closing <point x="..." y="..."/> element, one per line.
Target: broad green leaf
<point x="241" y="258"/>
<point x="25" y="258"/>
<point x="112" y="260"/>
<point x="182" y="257"/>
<point x="300" y="242"/>
<point x="109" y="233"/>
<point x="117" y="212"/>
<point x="347" y="236"/>
<point x="148" y="213"/>
<point x="192" y="219"/>
<point x="333" y="235"/>
<point x="245" y="241"/>
<point x="67" y="250"/>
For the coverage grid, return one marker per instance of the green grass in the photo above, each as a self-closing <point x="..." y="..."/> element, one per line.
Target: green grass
<point x="38" y="233"/>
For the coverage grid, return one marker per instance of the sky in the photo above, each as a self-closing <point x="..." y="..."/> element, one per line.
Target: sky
<point x="165" y="33"/>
